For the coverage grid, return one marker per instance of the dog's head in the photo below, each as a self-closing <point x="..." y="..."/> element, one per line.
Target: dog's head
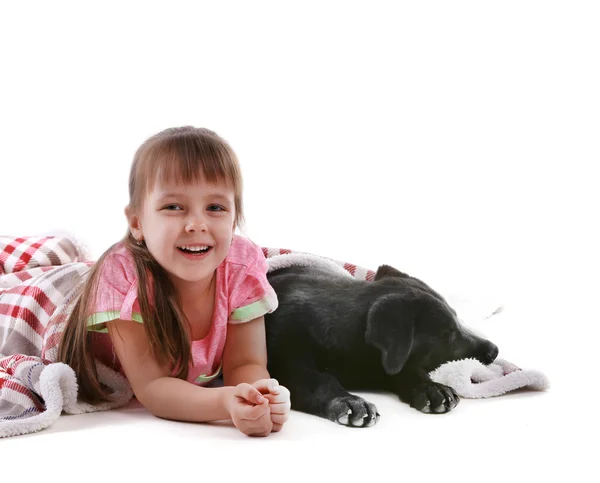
<point x="412" y="324"/>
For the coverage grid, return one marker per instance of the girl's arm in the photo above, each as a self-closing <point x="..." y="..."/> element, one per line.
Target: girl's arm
<point x="163" y="395"/>
<point x="245" y="361"/>
<point x="245" y="353"/>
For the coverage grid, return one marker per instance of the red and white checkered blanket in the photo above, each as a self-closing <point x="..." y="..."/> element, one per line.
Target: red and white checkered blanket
<point x="39" y="280"/>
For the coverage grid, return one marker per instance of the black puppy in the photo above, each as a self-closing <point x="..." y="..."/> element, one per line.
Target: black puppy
<point x="333" y="332"/>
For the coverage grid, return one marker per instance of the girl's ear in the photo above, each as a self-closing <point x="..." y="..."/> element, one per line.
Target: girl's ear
<point x="135" y="226"/>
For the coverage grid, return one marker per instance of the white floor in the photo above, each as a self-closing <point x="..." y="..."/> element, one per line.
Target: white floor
<point x="520" y="436"/>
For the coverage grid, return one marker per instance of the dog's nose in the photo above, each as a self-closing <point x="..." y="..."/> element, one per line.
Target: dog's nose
<point x="491" y="354"/>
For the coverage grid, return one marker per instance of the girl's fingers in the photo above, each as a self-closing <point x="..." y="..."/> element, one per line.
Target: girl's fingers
<point x="254" y="413"/>
<point x="279" y="419"/>
<point x="280" y="408"/>
<point x="267" y="386"/>
<point x="260" y="427"/>
<point x="281" y="397"/>
<point x="249" y="393"/>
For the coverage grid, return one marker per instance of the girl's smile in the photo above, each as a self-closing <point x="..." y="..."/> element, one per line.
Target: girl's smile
<point x="195" y="252"/>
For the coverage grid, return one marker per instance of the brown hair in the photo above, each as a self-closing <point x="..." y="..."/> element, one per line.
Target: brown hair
<point x="178" y="155"/>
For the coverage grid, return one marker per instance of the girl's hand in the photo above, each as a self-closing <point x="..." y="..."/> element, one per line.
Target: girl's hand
<point x="279" y="401"/>
<point x="249" y="410"/>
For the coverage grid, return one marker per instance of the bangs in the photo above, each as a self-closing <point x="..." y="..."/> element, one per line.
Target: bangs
<point x="186" y="159"/>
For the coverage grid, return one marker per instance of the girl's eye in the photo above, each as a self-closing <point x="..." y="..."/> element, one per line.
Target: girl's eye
<point x="172" y="208"/>
<point x="215" y="208"/>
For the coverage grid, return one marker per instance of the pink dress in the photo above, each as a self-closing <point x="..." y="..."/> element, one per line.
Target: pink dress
<point x="242" y="294"/>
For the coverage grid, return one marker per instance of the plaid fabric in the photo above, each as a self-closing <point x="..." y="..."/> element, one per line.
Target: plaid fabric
<point x="26" y="253"/>
<point x="40" y="278"/>
<point x="354" y="270"/>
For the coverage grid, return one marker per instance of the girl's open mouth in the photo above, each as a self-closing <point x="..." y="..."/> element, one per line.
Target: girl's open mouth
<point x="194" y="252"/>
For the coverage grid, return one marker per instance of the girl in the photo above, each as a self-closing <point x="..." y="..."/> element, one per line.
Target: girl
<point x="181" y="298"/>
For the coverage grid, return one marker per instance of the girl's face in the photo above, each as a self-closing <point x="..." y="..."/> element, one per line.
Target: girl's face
<point x="187" y="228"/>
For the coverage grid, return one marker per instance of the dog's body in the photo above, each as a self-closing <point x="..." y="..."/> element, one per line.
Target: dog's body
<point x="331" y="333"/>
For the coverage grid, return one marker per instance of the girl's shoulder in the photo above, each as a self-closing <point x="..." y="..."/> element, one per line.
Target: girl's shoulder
<point x="118" y="264"/>
<point x="245" y="253"/>
<point x="250" y="293"/>
<point x="116" y="295"/>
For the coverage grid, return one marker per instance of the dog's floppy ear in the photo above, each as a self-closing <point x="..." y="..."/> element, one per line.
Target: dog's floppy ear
<point x="390" y="328"/>
<point x="388" y="271"/>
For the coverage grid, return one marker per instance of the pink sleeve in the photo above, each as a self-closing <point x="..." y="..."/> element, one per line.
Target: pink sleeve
<point x="254" y="296"/>
<point x="116" y="296"/>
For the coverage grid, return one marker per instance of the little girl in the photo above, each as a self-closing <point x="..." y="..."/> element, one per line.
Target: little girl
<point x="181" y="298"/>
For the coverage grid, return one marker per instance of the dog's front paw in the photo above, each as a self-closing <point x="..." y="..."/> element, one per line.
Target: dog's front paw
<point x="432" y="397"/>
<point x="352" y="411"/>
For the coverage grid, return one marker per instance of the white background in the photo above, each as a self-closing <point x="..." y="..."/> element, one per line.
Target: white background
<point x="457" y="141"/>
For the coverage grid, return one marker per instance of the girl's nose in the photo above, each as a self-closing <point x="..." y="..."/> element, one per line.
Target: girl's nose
<point x="195" y="224"/>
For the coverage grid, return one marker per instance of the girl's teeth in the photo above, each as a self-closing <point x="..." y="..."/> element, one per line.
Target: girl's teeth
<point x="195" y="249"/>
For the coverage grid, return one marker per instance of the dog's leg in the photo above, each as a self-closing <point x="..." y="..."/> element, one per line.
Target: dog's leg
<point x="321" y="394"/>
<point x="416" y="388"/>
